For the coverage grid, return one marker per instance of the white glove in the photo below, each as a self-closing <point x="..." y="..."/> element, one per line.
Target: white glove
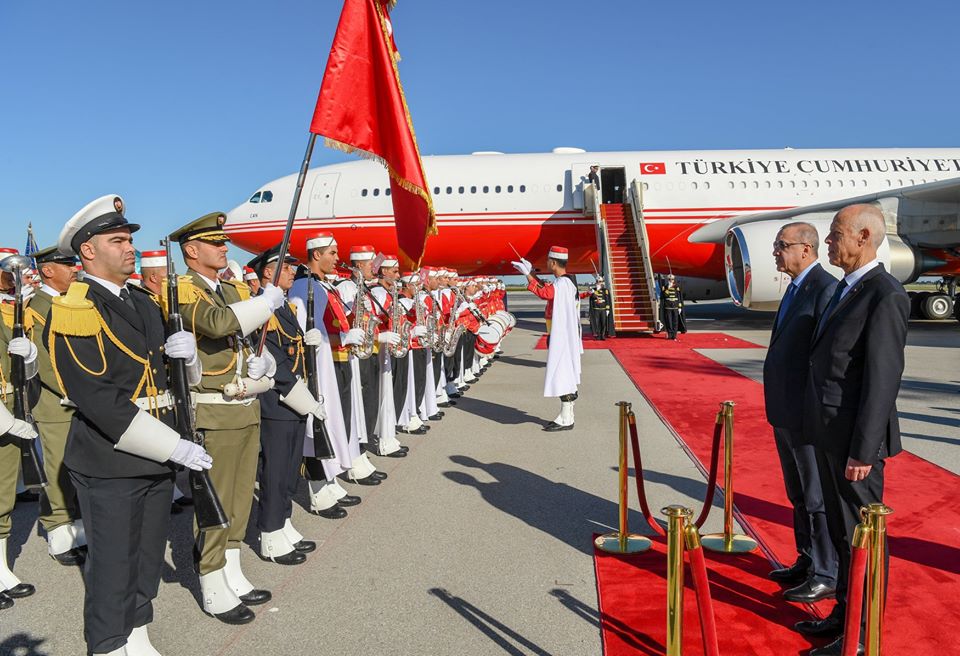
<point x="23" y="347"/>
<point x="192" y="456"/>
<point x="388" y="337"/>
<point x="320" y="412"/>
<point x="353" y="336"/>
<point x="274" y="296"/>
<point x="23" y="430"/>
<point x="183" y="345"/>
<point x="27" y="292"/>
<point x="419" y="331"/>
<point x="313" y="337"/>
<point x="523" y="266"/>
<point x="258" y="367"/>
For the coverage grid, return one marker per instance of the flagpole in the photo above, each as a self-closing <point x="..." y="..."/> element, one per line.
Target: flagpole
<point x="285" y="244"/>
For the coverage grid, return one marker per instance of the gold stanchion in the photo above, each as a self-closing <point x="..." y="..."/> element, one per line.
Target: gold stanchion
<point x="677" y="517"/>
<point x="876" y="576"/>
<point x="623" y="541"/>
<point x="728" y="541"/>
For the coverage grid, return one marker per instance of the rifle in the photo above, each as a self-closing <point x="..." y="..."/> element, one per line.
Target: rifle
<point x="322" y="447"/>
<point x="207" y="507"/>
<point x="30" y="466"/>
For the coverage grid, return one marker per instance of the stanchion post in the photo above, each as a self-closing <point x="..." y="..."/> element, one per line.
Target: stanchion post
<point x="622" y="541"/>
<point x="876" y="577"/>
<point x="860" y="552"/>
<point x="677" y="517"/>
<point x="728" y="541"/>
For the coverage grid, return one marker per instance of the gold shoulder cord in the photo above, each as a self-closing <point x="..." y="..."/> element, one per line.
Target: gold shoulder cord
<point x="297" y="341"/>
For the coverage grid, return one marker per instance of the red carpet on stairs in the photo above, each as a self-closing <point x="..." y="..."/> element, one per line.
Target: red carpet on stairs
<point x="685" y="388"/>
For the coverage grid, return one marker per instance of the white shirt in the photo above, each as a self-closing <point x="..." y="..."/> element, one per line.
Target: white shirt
<point x="111" y="287"/>
<point x="212" y="284"/>
<point x="49" y="290"/>
<point x="854" y="277"/>
<point x="803" y="274"/>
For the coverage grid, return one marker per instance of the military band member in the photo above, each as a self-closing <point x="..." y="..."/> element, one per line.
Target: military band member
<point x="332" y="338"/>
<point x="66" y="540"/>
<point x="392" y="368"/>
<point x="11" y="432"/>
<point x="252" y="280"/>
<point x="600" y="309"/>
<point x="671" y="304"/>
<point x="283" y="423"/>
<point x="564" y="345"/>
<point x="108" y="352"/>
<point x="221" y="314"/>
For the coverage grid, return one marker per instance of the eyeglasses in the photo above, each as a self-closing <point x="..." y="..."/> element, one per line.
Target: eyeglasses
<point x="781" y="245"/>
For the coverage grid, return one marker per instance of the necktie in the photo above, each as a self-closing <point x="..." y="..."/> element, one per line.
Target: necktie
<point x="219" y="291"/>
<point x="125" y="297"/>
<point x="785" y="303"/>
<point x="832" y="305"/>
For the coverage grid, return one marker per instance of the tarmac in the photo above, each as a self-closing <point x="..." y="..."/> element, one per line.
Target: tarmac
<point x="480" y="541"/>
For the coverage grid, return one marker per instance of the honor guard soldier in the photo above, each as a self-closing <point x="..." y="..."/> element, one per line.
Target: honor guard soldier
<point x="108" y="352"/>
<point x="12" y="431"/>
<point x="66" y="540"/>
<point x="564" y="345"/>
<point x="671" y="303"/>
<point x="600" y="308"/>
<point x="283" y="422"/>
<point x="221" y="315"/>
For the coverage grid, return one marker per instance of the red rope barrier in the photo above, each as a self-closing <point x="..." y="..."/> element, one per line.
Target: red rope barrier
<point x="701" y="585"/>
<point x="714" y="462"/>
<point x="858" y="567"/>
<point x="638" y="469"/>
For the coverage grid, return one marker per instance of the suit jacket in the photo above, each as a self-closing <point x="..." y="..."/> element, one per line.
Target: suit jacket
<point x="787" y="363"/>
<point x="285" y="343"/>
<point x="101" y="379"/>
<point x="856" y="362"/>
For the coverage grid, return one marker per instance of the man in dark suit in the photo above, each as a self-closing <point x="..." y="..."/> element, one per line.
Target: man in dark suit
<point x="814" y="573"/>
<point x="850" y="411"/>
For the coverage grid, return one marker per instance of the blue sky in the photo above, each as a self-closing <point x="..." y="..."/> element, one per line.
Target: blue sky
<point x="186" y="107"/>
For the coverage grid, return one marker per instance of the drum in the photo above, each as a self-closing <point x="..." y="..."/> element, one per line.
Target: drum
<point x="488" y="337"/>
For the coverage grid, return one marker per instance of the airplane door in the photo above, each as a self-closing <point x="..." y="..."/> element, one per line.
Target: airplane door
<point x="322" y="195"/>
<point x="579" y="179"/>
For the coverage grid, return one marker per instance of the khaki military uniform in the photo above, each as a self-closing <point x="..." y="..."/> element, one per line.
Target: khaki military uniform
<point x="53" y="420"/>
<point x="232" y="429"/>
<point x="9" y="445"/>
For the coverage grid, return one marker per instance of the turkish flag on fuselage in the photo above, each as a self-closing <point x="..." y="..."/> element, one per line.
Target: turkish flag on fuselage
<point x="361" y="108"/>
<point x="653" y="168"/>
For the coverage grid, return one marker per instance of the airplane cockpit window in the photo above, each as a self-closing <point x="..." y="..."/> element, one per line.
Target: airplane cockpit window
<point x="255" y="198"/>
<point x="267" y="197"/>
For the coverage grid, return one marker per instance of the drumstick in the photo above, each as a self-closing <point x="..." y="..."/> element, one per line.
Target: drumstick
<point x="515" y="250"/>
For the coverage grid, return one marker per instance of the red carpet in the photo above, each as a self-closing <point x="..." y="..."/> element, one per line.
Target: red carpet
<point x="685" y="389"/>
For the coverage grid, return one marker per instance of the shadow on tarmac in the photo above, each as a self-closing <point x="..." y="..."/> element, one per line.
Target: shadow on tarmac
<point x="502" y="414"/>
<point x="628" y="634"/>
<point x="22" y="644"/>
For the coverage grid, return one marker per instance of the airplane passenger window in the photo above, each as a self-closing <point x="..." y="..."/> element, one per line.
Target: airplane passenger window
<point x="255" y="198"/>
<point x="803" y="183"/>
<point x="267" y="197"/>
<point x="376" y="192"/>
<point x="756" y="185"/>
<point x="768" y="184"/>
<point x="509" y="189"/>
<point x="449" y="190"/>
<point x="559" y="187"/>
<point x="497" y="189"/>
<point x="793" y="184"/>
<point x="461" y="190"/>
<point x="706" y="185"/>
<point x="731" y="185"/>
<point x="646" y="186"/>
<point x="523" y="188"/>
<point x="888" y="183"/>
<point x="839" y="183"/>
<point x="779" y="184"/>
<point x="827" y="182"/>
<point x="436" y="191"/>
<point x="387" y="191"/>
<point x="363" y="193"/>
<point x="473" y="190"/>
<point x="853" y="183"/>
<point x="486" y="189"/>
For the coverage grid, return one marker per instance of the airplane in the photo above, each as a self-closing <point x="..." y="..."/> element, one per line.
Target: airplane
<point x="709" y="217"/>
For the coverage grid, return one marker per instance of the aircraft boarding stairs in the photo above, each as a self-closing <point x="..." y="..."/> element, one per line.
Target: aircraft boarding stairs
<point x="625" y="259"/>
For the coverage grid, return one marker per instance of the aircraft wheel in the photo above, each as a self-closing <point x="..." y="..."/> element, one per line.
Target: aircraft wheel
<point x="937" y="306"/>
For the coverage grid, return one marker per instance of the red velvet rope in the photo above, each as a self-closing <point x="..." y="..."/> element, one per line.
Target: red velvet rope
<point x="701" y="585"/>
<point x="638" y="469"/>
<point x="851" y="632"/>
<point x="712" y="482"/>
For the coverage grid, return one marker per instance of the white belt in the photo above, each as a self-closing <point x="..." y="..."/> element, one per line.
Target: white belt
<point x="216" y="398"/>
<point x="162" y="400"/>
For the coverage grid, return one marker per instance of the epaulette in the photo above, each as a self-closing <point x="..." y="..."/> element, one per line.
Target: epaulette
<point x="73" y="314"/>
<point x="187" y="292"/>
<point x="146" y="292"/>
<point x="243" y="289"/>
<point x="273" y="324"/>
<point x="8" y="311"/>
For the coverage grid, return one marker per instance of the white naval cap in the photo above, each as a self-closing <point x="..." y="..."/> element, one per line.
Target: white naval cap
<point x="321" y="240"/>
<point x="98" y="216"/>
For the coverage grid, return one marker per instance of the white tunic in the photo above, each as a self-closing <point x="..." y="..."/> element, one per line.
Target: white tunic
<point x="566" y="345"/>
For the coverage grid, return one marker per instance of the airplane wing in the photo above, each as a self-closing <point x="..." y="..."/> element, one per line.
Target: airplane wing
<point x="926" y="214"/>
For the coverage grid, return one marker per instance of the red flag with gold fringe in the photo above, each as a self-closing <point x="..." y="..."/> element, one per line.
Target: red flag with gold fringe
<point x="361" y="109"/>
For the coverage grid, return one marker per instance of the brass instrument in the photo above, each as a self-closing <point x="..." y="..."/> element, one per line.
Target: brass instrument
<point x="400" y="322"/>
<point x="363" y="318"/>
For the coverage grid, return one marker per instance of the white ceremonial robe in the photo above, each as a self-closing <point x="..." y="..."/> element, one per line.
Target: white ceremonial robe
<point x="566" y="344"/>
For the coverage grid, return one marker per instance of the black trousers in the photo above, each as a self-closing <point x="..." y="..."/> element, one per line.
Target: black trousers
<point x="370" y="389"/>
<point x="801" y="477"/>
<point x="281" y="450"/>
<point x="437" y="360"/>
<point x="599" y="325"/>
<point x="469" y="349"/>
<point x="451" y="363"/>
<point x="671" y="322"/>
<point x="419" y="375"/>
<point x="344" y="378"/>
<point x="401" y="369"/>
<point x="843" y="500"/>
<point x="126" y="521"/>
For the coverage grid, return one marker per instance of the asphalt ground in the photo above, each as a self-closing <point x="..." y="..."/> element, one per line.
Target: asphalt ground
<point x="480" y="540"/>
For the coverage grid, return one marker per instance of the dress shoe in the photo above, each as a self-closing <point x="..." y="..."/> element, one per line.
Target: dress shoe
<point x="305" y="546"/>
<point x="75" y="556"/>
<point x="256" y="597"/>
<point x="5" y="601"/>
<point x="239" y="615"/>
<point x="422" y="430"/>
<point x="399" y="453"/>
<point x="333" y="512"/>
<point x="464" y="388"/>
<point x="175" y="508"/>
<point x="455" y="395"/>
<point x="20" y="591"/>
<point x="835" y="648"/>
<point x="447" y="404"/>
<point x="830" y="627"/>
<point x="349" y="500"/>
<point x="436" y="417"/>
<point x="553" y="427"/>
<point x="793" y="575"/>
<point x="809" y="592"/>
<point x="369" y="480"/>
<point x="379" y="475"/>
<point x="292" y="558"/>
